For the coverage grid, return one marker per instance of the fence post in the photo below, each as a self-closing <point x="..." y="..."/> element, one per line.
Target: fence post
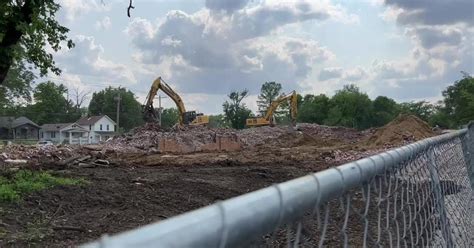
<point x="468" y="150"/>
<point x="439" y="197"/>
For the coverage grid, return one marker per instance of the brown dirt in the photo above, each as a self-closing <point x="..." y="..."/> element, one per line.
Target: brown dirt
<point x="404" y="129"/>
<point x="142" y="186"/>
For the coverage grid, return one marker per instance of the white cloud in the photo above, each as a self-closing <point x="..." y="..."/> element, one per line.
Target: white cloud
<point x="103" y="24"/>
<point x="86" y="60"/>
<point x="71" y="9"/>
<point x="232" y="44"/>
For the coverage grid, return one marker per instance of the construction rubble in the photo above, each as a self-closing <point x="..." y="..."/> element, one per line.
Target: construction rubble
<point x="345" y="143"/>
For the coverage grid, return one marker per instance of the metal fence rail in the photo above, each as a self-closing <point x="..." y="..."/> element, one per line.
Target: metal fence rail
<point x="416" y="195"/>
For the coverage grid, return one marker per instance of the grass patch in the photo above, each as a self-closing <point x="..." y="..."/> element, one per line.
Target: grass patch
<point x="25" y="181"/>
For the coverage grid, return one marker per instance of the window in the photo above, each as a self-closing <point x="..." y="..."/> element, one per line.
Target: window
<point x="100" y="127"/>
<point x="107" y="127"/>
<point x="42" y="135"/>
<point x="90" y="127"/>
<point x="115" y="128"/>
<point x="53" y="134"/>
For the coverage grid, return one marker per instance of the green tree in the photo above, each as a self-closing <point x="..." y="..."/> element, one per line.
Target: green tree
<point x="169" y="117"/>
<point x="268" y="93"/>
<point x="26" y="28"/>
<point x="350" y="108"/>
<point x="103" y="103"/>
<point x="51" y="105"/>
<point x="385" y="110"/>
<point x="235" y="111"/>
<point x="421" y="109"/>
<point x="459" y="100"/>
<point x="313" y="109"/>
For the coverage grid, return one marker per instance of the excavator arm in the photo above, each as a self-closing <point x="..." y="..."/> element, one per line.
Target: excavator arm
<point x="267" y="119"/>
<point x="184" y="117"/>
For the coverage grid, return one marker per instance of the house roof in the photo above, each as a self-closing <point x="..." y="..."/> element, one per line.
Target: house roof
<point x="22" y="121"/>
<point x="12" y="122"/>
<point x="90" y="120"/>
<point x="54" y="126"/>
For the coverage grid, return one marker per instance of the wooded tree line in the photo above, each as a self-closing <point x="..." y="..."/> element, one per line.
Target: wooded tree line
<point x="350" y="107"/>
<point x="49" y="102"/>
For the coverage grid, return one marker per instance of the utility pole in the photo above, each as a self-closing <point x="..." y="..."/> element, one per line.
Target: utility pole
<point x="118" y="99"/>
<point x="159" y="110"/>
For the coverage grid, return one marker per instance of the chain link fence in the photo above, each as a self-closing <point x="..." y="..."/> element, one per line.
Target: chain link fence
<point x="419" y="195"/>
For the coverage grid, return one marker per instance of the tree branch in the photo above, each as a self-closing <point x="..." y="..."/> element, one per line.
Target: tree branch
<point x="130" y="6"/>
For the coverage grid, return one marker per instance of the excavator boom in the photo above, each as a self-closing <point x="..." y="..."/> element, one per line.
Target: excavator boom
<point x="185" y="117"/>
<point x="268" y="118"/>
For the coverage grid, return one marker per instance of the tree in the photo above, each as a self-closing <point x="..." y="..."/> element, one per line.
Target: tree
<point x="51" y="105"/>
<point x="236" y="112"/>
<point x="169" y="117"/>
<point x="26" y="28"/>
<point x="313" y="109"/>
<point x="385" y="110"/>
<point x="350" y="108"/>
<point x="268" y="93"/>
<point x="16" y="87"/>
<point x="421" y="109"/>
<point x="459" y="100"/>
<point x="104" y="103"/>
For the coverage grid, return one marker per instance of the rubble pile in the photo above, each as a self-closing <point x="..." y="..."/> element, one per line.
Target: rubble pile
<point x="327" y="132"/>
<point x="33" y="152"/>
<point x="150" y="136"/>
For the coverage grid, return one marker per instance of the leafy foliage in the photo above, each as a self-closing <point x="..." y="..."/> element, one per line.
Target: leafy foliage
<point x="26" y="28"/>
<point x="313" y="109"/>
<point x="51" y="105"/>
<point x="422" y="109"/>
<point x="268" y="93"/>
<point x="351" y="108"/>
<point x="385" y="110"/>
<point x="236" y="112"/>
<point x="103" y="103"/>
<point x="459" y="100"/>
<point x="169" y="117"/>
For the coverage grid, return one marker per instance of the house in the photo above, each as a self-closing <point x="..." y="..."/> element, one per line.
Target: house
<point x="86" y="130"/>
<point x="100" y="127"/>
<point x="59" y="133"/>
<point x="20" y="128"/>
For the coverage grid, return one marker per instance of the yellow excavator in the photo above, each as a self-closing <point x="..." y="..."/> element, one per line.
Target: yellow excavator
<point x="185" y="117"/>
<point x="268" y="118"/>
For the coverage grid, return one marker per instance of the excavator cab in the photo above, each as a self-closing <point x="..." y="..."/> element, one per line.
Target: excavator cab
<point x="193" y="118"/>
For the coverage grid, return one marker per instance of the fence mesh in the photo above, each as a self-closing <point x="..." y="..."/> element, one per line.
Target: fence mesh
<point x="423" y="199"/>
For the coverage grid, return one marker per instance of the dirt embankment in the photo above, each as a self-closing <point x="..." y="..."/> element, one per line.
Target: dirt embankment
<point x="402" y="130"/>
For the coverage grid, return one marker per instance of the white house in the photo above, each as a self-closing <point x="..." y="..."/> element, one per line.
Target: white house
<point x="100" y="127"/>
<point x="87" y="130"/>
<point x="70" y="133"/>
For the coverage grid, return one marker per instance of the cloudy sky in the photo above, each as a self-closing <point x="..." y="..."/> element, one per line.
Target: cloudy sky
<point x="404" y="49"/>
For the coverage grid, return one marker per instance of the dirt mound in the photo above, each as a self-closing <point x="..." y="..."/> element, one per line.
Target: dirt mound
<point x="402" y="130"/>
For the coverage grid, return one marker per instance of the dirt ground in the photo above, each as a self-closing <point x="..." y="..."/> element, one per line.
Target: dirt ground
<point x="138" y="188"/>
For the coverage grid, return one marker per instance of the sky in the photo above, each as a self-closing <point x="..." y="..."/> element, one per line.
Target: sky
<point x="407" y="50"/>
